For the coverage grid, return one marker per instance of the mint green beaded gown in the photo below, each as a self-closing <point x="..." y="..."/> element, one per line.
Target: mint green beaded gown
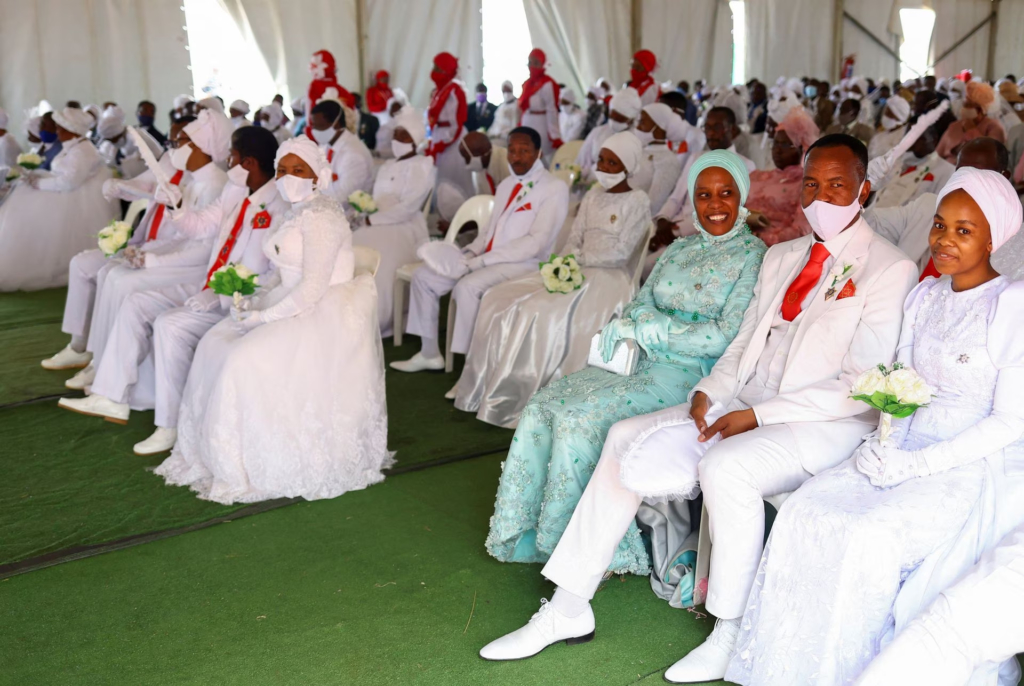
<point x="703" y="283"/>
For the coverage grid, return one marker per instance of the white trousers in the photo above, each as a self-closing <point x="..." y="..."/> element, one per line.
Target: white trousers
<point x="428" y="286"/>
<point x="176" y="334"/>
<point x="657" y="456"/>
<point x="82" y="273"/>
<point x="976" y="621"/>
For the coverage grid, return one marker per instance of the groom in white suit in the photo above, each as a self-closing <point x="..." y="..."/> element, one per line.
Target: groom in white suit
<point x="774" y="411"/>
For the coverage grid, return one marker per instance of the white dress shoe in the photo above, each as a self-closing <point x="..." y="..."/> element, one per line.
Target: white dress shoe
<point x="84" y="378"/>
<point x="161" y="441"/>
<point x="450" y="395"/>
<point x="67" y="359"/>
<point x="709" y="660"/>
<point x="98" y="406"/>
<point x="547" y="626"/>
<point x="419" y="363"/>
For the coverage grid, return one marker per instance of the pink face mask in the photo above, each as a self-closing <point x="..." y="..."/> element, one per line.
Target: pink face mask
<point x="828" y="220"/>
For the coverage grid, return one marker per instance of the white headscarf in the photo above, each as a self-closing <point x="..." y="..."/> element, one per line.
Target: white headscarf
<point x="568" y="94"/>
<point x="180" y="101"/>
<point x="212" y="103"/>
<point x="32" y="125"/>
<point x="899" y="107"/>
<point x="781" y="103"/>
<point x="666" y="118"/>
<point x="994" y="195"/>
<point x="211" y="133"/>
<point x="412" y="121"/>
<point x="299" y="105"/>
<point x="627" y="103"/>
<point x="4" y="119"/>
<point x="275" y="115"/>
<point x="74" y="120"/>
<point x="240" y="105"/>
<point x="111" y="123"/>
<point x="310" y="153"/>
<point x="729" y="98"/>
<point x="94" y="110"/>
<point x="627" y="148"/>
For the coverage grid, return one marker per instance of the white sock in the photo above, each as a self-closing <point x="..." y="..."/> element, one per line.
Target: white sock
<point x="569" y="604"/>
<point x="429" y="348"/>
<point x="78" y="344"/>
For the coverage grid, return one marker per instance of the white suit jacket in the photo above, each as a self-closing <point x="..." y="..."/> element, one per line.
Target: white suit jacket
<point x="836" y="339"/>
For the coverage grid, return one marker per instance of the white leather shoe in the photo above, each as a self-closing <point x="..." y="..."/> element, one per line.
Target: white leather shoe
<point x="161" y="441"/>
<point x="547" y="626"/>
<point x="419" y="363"/>
<point x="84" y="378"/>
<point x="450" y="395"/>
<point x="67" y="359"/>
<point x="98" y="406"/>
<point x="709" y="660"/>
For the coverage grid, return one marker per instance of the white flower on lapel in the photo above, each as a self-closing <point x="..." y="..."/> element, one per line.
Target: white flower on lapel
<point x="839" y="272"/>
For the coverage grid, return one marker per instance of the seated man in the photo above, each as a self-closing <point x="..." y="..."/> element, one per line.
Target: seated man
<point x="529" y="210"/>
<point x="920" y="171"/>
<point x="774" y="411"/>
<point x="351" y="161"/>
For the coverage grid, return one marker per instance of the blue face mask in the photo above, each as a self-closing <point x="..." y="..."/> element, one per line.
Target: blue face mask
<point x="145" y="121"/>
<point x="811" y="91"/>
<point x="48" y="137"/>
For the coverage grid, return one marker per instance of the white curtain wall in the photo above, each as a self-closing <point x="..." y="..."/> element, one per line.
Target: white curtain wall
<point x="789" y="38"/>
<point x="678" y="32"/>
<point x="953" y="19"/>
<point x="1009" y="52"/>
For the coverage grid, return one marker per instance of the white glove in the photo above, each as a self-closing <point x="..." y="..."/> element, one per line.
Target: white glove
<point x="202" y="302"/>
<point x="172" y="196"/>
<point x="880" y="170"/>
<point x="111" y="190"/>
<point x="475" y="263"/>
<point x="887" y="467"/>
<point x="246" y="321"/>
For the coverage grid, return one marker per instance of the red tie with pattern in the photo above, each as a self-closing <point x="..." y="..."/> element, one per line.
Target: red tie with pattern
<point x="229" y="245"/>
<point x="511" y="197"/>
<point x="158" y="213"/>
<point x="804" y="282"/>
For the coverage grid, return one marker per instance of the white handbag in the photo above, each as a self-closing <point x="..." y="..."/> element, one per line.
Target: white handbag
<point x="624" y="359"/>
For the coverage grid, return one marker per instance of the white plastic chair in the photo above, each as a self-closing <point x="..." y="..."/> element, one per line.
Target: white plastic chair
<point x="477" y="209"/>
<point x="135" y="210"/>
<point x="367" y="260"/>
<point x="640" y="257"/>
<point x="426" y="205"/>
<point x="565" y="155"/>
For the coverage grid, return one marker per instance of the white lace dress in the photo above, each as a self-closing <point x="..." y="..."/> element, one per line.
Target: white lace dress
<point x="295" y="407"/>
<point x="842" y="551"/>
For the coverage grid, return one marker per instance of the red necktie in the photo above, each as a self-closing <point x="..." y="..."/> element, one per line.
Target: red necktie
<point x="511" y="197"/>
<point x="158" y="213"/>
<point x="330" y="155"/>
<point x="490" y="182"/>
<point x="930" y="270"/>
<point x="229" y="245"/>
<point x="804" y="282"/>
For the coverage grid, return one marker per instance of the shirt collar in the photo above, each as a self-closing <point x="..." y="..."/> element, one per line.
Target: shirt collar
<point x="837" y="244"/>
<point x="264" y="194"/>
<point x="206" y="173"/>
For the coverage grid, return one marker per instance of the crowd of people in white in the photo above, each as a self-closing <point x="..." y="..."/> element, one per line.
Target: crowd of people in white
<point x="670" y="293"/>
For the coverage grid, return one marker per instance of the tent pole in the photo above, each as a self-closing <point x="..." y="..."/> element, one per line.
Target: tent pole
<point x="636" y="18"/>
<point x="993" y="32"/>
<point x="838" y="10"/>
<point x="361" y="43"/>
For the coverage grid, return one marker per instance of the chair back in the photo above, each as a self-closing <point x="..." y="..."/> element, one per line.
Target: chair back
<point x="476" y="209"/>
<point x="135" y="211"/>
<point x="639" y="257"/>
<point x="565" y="155"/>
<point x="367" y="260"/>
<point x="426" y="204"/>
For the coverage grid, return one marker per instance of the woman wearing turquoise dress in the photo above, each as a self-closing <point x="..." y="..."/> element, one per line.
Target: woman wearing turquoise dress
<point x="683" y="319"/>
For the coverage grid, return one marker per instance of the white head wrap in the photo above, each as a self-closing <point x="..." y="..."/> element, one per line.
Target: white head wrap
<point x="780" y="105"/>
<point x="412" y="121"/>
<point x="111" y="123"/>
<point x="994" y="195"/>
<point x="568" y="94"/>
<point x="180" y="101"/>
<point x="666" y="118"/>
<point x="298" y="105"/>
<point x="211" y="133"/>
<point x="4" y="119"/>
<point x="275" y="115"/>
<point x="627" y="103"/>
<point x="240" y="105"/>
<point x="74" y="120"/>
<point x="32" y="125"/>
<point x="627" y="148"/>
<point x="899" y="107"/>
<point x="94" y="110"/>
<point x="310" y="153"/>
<point x="957" y="88"/>
<point x="507" y="85"/>
<point x="398" y="95"/>
<point x="731" y="99"/>
<point x="794" y="84"/>
<point x="212" y="103"/>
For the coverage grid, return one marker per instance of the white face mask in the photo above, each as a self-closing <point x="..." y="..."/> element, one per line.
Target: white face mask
<point x="566" y="109"/>
<point x="324" y="137"/>
<point x="618" y="126"/>
<point x="293" y="189"/>
<point x="828" y="220"/>
<point x="238" y="175"/>
<point x="968" y="113"/>
<point x="609" y="180"/>
<point x="888" y="123"/>
<point x="508" y="96"/>
<point x="645" y="137"/>
<point x="400" y="149"/>
<point x="179" y="158"/>
<point x="523" y="177"/>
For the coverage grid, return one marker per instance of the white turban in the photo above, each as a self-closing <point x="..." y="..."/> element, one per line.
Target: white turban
<point x="412" y="121"/>
<point x="861" y="83"/>
<point x="627" y="148"/>
<point x="398" y="95"/>
<point x="627" y="103"/>
<point x="781" y="104"/>
<point x="958" y="87"/>
<point x="734" y="101"/>
<point x="310" y="153"/>
<point x="4" y="119"/>
<point x="181" y="101"/>
<point x="94" y="110"/>
<point x="794" y="84"/>
<point x="666" y="118"/>
<point x="241" y="106"/>
<point x="74" y="120"/>
<point x="275" y="115"/>
<point x="212" y="104"/>
<point x="569" y="95"/>
<point x="899" y="107"/>
<point x="994" y="195"/>
<point x="211" y="133"/>
<point x="507" y="85"/>
<point x="111" y="123"/>
<point x="299" y="104"/>
<point x="32" y="125"/>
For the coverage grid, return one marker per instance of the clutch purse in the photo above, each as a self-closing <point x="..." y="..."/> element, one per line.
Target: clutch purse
<point x="624" y="359"/>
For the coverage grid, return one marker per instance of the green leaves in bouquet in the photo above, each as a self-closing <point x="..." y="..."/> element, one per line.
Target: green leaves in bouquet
<point x="884" y="402"/>
<point x="228" y="282"/>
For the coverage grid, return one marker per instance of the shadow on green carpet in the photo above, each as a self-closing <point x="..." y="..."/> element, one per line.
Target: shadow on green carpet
<point x="36" y="307"/>
<point x="374" y="587"/>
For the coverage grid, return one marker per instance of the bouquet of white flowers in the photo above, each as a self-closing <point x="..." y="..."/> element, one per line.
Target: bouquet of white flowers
<point x="29" y="160"/>
<point x="236" y="281"/>
<point x="362" y="202"/>
<point x="12" y="175"/>
<point x="114" y="236"/>
<point x="561" y="274"/>
<point x="896" y="391"/>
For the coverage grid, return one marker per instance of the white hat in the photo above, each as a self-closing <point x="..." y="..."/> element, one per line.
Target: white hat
<point x="275" y="115"/>
<point x="626" y="147"/>
<point x="569" y="95"/>
<point x="111" y="123"/>
<point x="412" y="121"/>
<point x="627" y="103"/>
<point x="667" y="119"/>
<point x="94" y="110"/>
<point x="212" y="103"/>
<point x="74" y="120"/>
<point x="211" y="133"/>
<point x="311" y="154"/>
<point x="241" y="106"/>
<point x="899" y="107"/>
<point x="32" y="125"/>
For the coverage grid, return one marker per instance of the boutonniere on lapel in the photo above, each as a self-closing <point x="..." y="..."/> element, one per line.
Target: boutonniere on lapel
<point x="519" y="198"/>
<point x="262" y="218"/>
<point x="838" y="273"/>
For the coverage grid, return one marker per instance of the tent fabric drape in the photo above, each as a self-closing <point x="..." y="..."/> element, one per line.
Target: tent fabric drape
<point x="564" y="30"/>
<point x="120" y="50"/>
<point x="876" y="16"/>
<point x="677" y="32"/>
<point x="788" y="38"/>
<point x="953" y="19"/>
<point x="1009" y="56"/>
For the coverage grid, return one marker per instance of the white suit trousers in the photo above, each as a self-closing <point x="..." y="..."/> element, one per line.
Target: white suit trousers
<point x="976" y="621"/>
<point x="82" y="273"/>
<point x="176" y="334"/>
<point x="428" y="286"/>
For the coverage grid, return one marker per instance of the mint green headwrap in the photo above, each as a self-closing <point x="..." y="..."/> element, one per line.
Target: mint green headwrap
<point x="730" y="162"/>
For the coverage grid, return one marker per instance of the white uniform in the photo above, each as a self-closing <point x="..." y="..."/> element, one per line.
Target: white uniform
<point x="506" y="118"/>
<point x="796" y="376"/>
<point x="591" y="148"/>
<point x="542" y="116"/>
<point x="454" y="180"/>
<point x="571" y="123"/>
<point x="398" y="227"/>
<point x="351" y="166"/>
<point x="906" y="226"/>
<point x="916" y="177"/>
<point x="519" y="235"/>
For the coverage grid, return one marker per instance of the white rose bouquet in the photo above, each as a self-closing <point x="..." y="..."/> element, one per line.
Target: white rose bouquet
<point x="114" y="236"/>
<point x="12" y="175"/>
<point x="236" y="281"/>
<point x="896" y="391"/>
<point x="29" y="160"/>
<point x="362" y="202"/>
<point x="561" y="274"/>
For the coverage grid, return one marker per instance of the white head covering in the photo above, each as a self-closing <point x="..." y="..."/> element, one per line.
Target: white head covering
<point x="627" y="103"/>
<point x="74" y="120"/>
<point x="111" y="123"/>
<point x="666" y="118"/>
<point x="627" y="148"/>
<point x="781" y="104"/>
<point x="412" y="121"/>
<point x="398" y="95"/>
<point x="275" y="115"/>
<point x="568" y="94"/>
<point x="180" y="101"/>
<point x="794" y="84"/>
<point x="211" y="133"/>
<point x="4" y="119"/>
<point x="310" y="153"/>
<point x="507" y="85"/>
<point x="32" y="125"/>
<point x="240" y="105"/>
<point x="212" y="103"/>
<point x="957" y="88"/>
<point x="94" y="110"/>
<point x="899" y="107"/>
<point x="994" y="195"/>
<point x="298" y="105"/>
<point x="730" y="98"/>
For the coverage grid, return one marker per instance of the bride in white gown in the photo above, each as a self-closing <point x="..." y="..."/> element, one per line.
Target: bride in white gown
<point x="286" y="398"/>
<point x="860" y="549"/>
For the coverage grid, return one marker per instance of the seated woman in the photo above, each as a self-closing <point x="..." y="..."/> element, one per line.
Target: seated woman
<point x="775" y="194"/>
<point x="862" y="548"/>
<point x="52" y="216"/>
<point x="286" y="398"/>
<point x="683" y="318"/>
<point x="660" y="172"/>
<point x="525" y="336"/>
<point x="398" y="227"/>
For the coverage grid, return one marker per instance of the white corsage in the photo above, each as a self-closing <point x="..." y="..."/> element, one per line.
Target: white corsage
<point x="838" y="272"/>
<point x="561" y="274"/>
<point x="362" y="202"/>
<point x="896" y="391"/>
<point x="114" y="236"/>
